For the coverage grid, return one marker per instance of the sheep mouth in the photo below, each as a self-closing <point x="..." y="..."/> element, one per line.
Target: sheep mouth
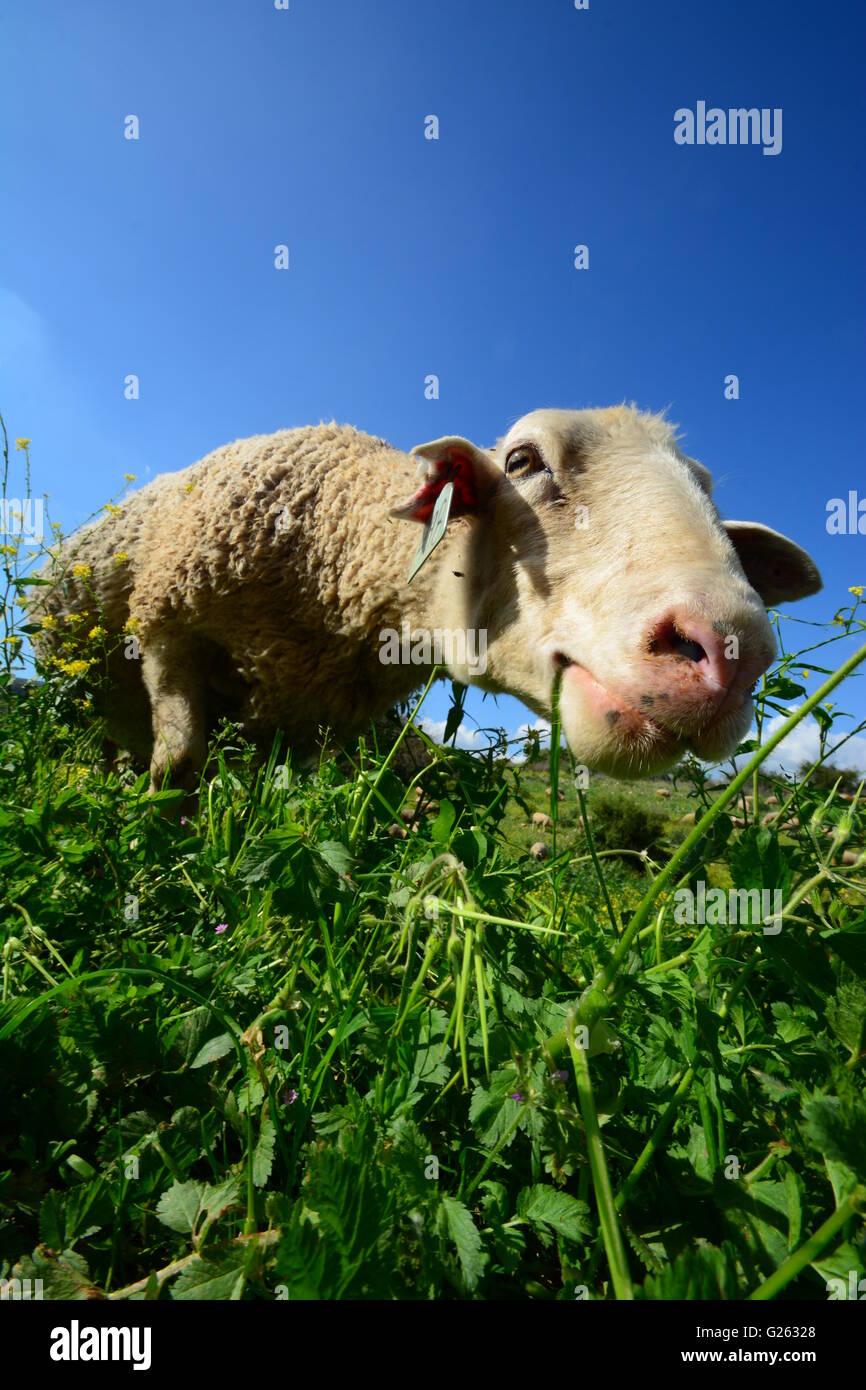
<point x="619" y="715"/>
<point x="647" y="728"/>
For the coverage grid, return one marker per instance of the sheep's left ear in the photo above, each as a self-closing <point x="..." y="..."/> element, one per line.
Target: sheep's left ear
<point x="777" y="568"/>
<point x="472" y="471"/>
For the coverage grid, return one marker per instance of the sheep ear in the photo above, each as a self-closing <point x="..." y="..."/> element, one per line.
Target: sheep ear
<point x="472" y="471"/>
<point x="777" y="568"/>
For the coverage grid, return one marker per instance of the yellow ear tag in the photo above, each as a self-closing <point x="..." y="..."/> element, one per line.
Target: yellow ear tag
<point x="434" y="530"/>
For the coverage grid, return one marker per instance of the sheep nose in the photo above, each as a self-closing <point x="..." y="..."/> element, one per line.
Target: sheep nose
<point x="709" y="659"/>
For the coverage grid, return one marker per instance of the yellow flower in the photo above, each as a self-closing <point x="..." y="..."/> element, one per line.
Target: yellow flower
<point x="9" y="549"/>
<point x="131" y="625"/>
<point x="74" y="668"/>
<point x="74" y="618"/>
<point x="189" y="487"/>
<point x="856" y="589"/>
<point x="96" y="633"/>
<point x="82" y="571"/>
<point x="804" y="675"/>
<point x="130" y="477"/>
<point x="112" y="509"/>
<point x="120" y="557"/>
<point x="22" y="443"/>
<point x="86" y="703"/>
<point x="49" y="620"/>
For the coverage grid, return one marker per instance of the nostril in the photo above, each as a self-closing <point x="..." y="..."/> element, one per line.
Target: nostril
<point x="684" y="646"/>
<point x="707" y="658"/>
<point x="669" y="640"/>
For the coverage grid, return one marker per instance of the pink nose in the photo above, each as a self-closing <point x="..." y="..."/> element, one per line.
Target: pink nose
<point x="700" y="662"/>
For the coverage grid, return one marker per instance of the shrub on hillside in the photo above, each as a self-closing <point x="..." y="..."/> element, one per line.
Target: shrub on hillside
<point x="827" y="776"/>
<point x="619" y="821"/>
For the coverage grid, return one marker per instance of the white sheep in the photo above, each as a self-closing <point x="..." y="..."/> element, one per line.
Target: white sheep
<point x="268" y="582"/>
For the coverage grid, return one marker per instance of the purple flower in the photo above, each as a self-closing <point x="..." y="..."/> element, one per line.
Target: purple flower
<point x="289" y="1097"/>
<point x="184" y="820"/>
<point x="221" y="927"/>
<point x="559" y="1076"/>
<point x="516" y="1095"/>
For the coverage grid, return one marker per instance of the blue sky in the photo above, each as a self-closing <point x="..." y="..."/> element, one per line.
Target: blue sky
<point x="410" y="256"/>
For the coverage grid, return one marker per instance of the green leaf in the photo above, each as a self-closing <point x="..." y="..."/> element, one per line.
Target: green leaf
<point x="212" y="1050"/>
<point x="217" y="1198"/>
<point x="756" y="860"/>
<point x="781" y="688"/>
<point x="263" y="1156"/>
<point x="336" y="856"/>
<point x="305" y="1267"/>
<point x="221" y="1278"/>
<point x="466" y="1238"/>
<point x="549" y="1210"/>
<point x="846" y="1014"/>
<point x="185" y="1202"/>
<point x="823" y="717"/>
<point x="455" y="713"/>
<point x="794" y="1191"/>
<point x="169" y="796"/>
<point x="52" y="1225"/>
<point x="64" y="1276"/>
<point x="441" y="827"/>
<point x="268" y="860"/>
<point x="837" y="1130"/>
<point x="789" y="1026"/>
<point x="178" y="1208"/>
<point x="844" y="1265"/>
<point x="67" y="1217"/>
<point x="492" y="1108"/>
<point x="699" y="1273"/>
<point x="81" y="1168"/>
<point x="759" y="1218"/>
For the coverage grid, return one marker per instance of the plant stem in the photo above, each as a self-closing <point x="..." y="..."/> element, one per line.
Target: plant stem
<point x="607" y="1212"/>
<point x="797" y="1262"/>
<point x="597" y="866"/>
<point x="359" y="820"/>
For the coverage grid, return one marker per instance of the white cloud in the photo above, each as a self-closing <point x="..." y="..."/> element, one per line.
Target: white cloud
<point x="522" y="732"/>
<point x="803" y="746"/>
<point x="466" y="737"/>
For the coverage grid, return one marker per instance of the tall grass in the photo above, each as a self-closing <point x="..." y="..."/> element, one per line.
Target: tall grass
<point x="274" y="1049"/>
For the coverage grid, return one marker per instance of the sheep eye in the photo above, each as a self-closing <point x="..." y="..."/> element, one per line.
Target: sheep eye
<point x="523" y="461"/>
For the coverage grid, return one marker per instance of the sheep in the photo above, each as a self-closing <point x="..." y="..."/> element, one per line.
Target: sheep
<point x="541" y="819"/>
<point x="269" y="582"/>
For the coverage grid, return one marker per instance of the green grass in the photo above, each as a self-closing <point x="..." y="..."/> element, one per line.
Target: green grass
<point x="271" y="1050"/>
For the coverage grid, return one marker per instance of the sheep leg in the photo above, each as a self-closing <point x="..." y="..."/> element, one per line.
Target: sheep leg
<point x="175" y="677"/>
